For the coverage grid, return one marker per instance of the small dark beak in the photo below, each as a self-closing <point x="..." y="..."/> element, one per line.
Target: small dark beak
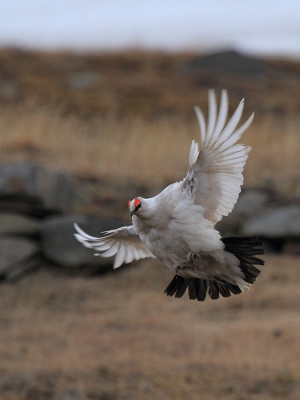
<point x="131" y="213"/>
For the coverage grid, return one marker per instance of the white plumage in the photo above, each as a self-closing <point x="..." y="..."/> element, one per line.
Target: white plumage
<point x="177" y="225"/>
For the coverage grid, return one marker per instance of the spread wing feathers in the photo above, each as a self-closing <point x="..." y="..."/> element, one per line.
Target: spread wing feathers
<point x="123" y="242"/>
<point x="215" y="175"/>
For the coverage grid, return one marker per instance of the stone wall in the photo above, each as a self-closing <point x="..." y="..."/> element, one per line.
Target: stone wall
<point x="38" y="207"/>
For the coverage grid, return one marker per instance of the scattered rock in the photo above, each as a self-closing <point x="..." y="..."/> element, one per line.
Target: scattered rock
<point x="23" y="205"/>
<point x="59" y="245"/>
<point x="18" y="255"/>
<point x="250" y="203"/>
<point x="36" y="187"/>
<point x="17" y="271"/>
<point x="277" y="222"/>
<point x="278" y="333"/>
<point x="71" y="395"/>
<point x="16" y="224"/>
<point x="230" y="63"/>
<point x="82" y="80"/>
<point x="33" y="199"/>
<point x="9" y="89"/>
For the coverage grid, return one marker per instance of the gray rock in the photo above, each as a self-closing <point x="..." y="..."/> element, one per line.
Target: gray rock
<point x="250" y="203"/>
<point x="9" y="89"/>
<point x="230" y="63"/>
<point x="274" y="223"/>
<point x="82" y="80"/>
<point x="16" y="224"/>
<point x="71" y="395"/>
<point x="59" y="245"/>
<point x="17" y="254"/>
<point x="43" y="188"/>
<point x="23" y="268"/>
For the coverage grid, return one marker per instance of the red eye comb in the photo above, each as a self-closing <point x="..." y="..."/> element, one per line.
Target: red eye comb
<point x="136" y="202"/>
<point x="129" y="201"/>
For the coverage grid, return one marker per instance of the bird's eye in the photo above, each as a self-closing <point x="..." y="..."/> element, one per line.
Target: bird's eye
<point x="129" y="201"/>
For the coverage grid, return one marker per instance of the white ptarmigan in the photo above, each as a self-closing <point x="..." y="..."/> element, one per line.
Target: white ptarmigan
<point x="177" y="225"/>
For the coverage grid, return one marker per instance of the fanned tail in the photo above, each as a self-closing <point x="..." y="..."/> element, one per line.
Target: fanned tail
<point x="244" y="249"/>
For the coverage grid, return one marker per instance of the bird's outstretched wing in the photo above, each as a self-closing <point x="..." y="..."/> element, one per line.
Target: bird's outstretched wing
<point x="215" y="175"/>
<point x="123" y="242"/>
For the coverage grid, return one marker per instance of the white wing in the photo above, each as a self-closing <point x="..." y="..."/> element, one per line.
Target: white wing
<point x="215" y="175"/>
<point x="124" y="242"/>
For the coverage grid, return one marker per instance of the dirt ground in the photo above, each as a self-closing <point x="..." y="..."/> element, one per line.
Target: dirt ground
<point x="118" y="336"/>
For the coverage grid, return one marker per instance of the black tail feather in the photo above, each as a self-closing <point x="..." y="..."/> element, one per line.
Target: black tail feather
<point x="213" y="290"/>
<point x="201" y="295"/>
<point x="181" y="290"/>
<point x="223" y="289"/>
<point x="192" y="289"/>
<point x="174" y="285"/>
<point x="244" y="249"/>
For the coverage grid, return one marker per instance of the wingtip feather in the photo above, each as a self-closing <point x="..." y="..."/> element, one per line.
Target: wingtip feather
<point x="201" y="123"/>
<point x="194" y="152"/>
<point x="223" y="157"/>
<point x="82" y="233"/>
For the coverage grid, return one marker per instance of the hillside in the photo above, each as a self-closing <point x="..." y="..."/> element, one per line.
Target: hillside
<point x="145" y="83"/>
<point x="100" y="116"/>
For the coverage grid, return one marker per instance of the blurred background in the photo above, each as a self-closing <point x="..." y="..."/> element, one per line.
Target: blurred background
<point x="96" y="107"/>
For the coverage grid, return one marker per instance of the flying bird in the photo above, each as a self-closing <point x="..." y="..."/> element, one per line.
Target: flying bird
<point x="178" y="225"/>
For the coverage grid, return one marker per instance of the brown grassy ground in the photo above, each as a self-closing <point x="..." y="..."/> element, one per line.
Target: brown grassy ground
<point x="138" y="151"/>
<point x="117" y="336"/>
<point x="135" y="122"/>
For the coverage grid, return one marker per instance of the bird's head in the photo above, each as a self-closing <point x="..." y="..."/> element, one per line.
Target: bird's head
<point x="134" y="205"/>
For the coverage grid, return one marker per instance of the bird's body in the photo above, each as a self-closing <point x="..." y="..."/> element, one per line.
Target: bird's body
<point x="162" y="223"/>
<point x="178" y="225"/>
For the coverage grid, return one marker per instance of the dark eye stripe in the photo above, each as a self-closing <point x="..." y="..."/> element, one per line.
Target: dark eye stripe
<point x="137" y="207"/>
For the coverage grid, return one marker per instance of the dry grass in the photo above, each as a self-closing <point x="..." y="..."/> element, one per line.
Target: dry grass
<point x="134" y="122"/>
<point x="138" y="150"/>
<point x="119" y="337"/>
<point x="106" y="147"/>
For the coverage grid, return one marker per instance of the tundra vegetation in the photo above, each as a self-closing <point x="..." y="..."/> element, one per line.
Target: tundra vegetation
<point x="126" y="119"/>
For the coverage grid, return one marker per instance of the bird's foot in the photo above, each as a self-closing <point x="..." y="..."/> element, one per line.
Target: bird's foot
<point x="190" y="257"/>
